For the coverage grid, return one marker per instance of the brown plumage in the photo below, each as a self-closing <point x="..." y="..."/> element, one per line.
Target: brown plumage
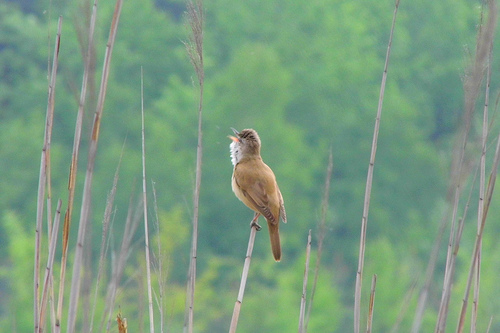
<point x="255" y="185"/>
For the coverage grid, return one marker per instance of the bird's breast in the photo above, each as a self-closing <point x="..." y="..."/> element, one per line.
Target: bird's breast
<point x="238" y="191"/>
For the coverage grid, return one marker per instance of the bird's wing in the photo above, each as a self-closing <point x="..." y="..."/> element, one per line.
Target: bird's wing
<point x="259" y="197"/>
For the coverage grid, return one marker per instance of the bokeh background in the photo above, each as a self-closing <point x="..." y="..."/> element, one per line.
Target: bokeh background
<point x="306" y="75"/>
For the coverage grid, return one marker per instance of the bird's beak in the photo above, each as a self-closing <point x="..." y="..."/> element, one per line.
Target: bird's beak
<point x="235" y="139"/>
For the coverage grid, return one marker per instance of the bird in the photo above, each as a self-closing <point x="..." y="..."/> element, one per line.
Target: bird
<point x="254" y="183"/>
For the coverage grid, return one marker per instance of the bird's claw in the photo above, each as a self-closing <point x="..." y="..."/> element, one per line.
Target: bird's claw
<point x="256" y="225"/>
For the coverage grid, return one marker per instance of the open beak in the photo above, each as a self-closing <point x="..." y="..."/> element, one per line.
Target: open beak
<point x="235" y="139"/>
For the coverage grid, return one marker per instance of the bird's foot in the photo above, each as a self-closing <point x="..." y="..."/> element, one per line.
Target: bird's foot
<point x="254" y="222"/>
<point x="256" y="225"/>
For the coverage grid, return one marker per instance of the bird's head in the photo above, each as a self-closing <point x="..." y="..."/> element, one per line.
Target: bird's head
<point x="245" y="144"/>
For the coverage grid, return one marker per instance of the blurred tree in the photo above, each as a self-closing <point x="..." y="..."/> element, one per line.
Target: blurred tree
<point x="16" y="277"/>
<point x="23" y="64"/>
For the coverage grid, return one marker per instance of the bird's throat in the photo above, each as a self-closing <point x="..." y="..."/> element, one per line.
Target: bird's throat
<point x="235" y="150"/>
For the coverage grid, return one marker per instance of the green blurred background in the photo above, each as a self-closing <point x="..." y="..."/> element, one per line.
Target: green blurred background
<point x="306" y="75"/>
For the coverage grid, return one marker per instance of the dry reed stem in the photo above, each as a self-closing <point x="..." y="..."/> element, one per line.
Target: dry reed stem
<point x="145" y="209"/>
<point x="453" y="247"/>
<point x="453" y="244"/>
<point x="488" y="196"/>
<point x="454" y="187"/>
<point x="50" y="105"/>
<point x="243" y="282"/>
<point x="74" y="166"/>
<point x="62" y="275"/>
<point x="472" y="84"/>
<point x="482" y="182"/>
<point x="131" y="224"/>
<point x="369" y="181"/>
<point x="79" y="119"/>
<point x="302" y="327"/>
<point x="159" y="263"/>
<point x="371" y="305"/>
<point x="105" y="239"/>
<point x="194" y="46"/>
<point x="455" y="238"/>
<point x="195" y="51"/>
<point x="85" y="209"/>
<point x="489" y="325"/>
<point x="429" y="273"/>
<point x="50" y="266"/>
<point x="321" y="233"/>
<point x="44" y="176"/>
<point x="471" y="87"/>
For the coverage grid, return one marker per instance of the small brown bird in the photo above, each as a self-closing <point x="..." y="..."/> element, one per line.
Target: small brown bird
<point x="255" y="185"/>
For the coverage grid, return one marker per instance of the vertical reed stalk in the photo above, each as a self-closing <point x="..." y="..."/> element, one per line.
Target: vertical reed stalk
<point x="104" y="238"/>
<point x="429" y="273"/>
<point x="321" y="234"/>
<point x="472" y="84"/>
<point x="44" y="178"/>
<point x="371" y="305"/>
<point x="369" y="181"/>
<point x="74" y="166"/>
<point x="159" y="264"/>
<point x="489" y="325"/>
<point x="51" y="104"/>
<point x="49" y="267"/>
<point x="302" y="327"/>
<point x="195" y="51"/>
<point x="145" y="208"/>
<point x="479" y="235"/>
<point x="131" y="224"/>
<point x="453" y="243"/>
<point x="86" y="198"/>
<point x="482" y="182"/>
<point x="453" y="247"/>
<point x="243" y="282"/>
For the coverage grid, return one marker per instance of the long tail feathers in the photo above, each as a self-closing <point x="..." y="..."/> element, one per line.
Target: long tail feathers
<point x="274" y="235"/>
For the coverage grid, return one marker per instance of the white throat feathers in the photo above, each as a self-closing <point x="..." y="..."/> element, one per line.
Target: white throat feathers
<point x="235" y="150"/>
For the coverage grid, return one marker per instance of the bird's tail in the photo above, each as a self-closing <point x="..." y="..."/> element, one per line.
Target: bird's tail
<point x="274" y="235"/>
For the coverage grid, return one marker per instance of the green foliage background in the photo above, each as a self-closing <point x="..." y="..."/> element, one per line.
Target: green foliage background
<point x="306" y="75"/>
